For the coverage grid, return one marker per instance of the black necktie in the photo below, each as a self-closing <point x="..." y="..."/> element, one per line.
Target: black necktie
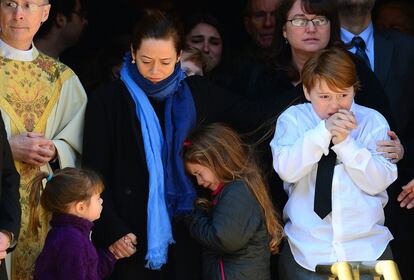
<point x="323" y="186"/>
<point x="360" y="46"/>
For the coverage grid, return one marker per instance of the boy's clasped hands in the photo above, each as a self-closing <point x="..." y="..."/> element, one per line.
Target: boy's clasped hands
<point x="340" y="125"/>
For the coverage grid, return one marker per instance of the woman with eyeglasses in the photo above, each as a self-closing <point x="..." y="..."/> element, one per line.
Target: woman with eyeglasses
<point x="42" y="103"/>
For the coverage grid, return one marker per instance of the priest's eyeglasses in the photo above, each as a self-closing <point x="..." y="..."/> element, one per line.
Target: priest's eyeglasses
<point x="28" y="7"/>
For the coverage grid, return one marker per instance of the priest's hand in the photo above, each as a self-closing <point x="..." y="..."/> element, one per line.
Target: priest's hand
<point x="32" y="148"/>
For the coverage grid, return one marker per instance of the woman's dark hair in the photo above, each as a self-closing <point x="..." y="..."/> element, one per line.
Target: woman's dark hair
<point x="197" y="18"/>
<point x="64" y="187"/>
<point x="281" y="56"/>
<point x="156" y="24"/>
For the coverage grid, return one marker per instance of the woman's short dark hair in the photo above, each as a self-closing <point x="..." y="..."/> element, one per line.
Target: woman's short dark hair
<point x="156" y="24"/>
<point x="281" y="56"/>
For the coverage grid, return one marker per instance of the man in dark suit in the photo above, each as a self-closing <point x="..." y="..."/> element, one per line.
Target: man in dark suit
<point x="63" y="29"/>
<point x="245" y="64"/>
<point x="9" y="200"/>
<point x="391" y="56"/>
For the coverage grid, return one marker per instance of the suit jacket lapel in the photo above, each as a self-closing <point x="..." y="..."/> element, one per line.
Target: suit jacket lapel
<point x="383" y="49"/>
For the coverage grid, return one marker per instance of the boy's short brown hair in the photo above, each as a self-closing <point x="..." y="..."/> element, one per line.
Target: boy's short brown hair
<point x="334" y="66"/>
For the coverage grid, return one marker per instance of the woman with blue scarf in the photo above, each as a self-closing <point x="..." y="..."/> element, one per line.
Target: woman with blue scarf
<point x="134" y="132"/>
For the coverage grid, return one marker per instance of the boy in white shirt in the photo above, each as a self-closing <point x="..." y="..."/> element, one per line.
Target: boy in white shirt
<point x="352" y="227"/>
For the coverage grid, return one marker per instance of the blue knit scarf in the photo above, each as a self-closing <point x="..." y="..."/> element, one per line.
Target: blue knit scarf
<point x="170" y="190"/>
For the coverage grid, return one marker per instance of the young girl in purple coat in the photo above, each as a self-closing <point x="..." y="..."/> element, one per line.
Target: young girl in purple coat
<point x="73" y="197"/>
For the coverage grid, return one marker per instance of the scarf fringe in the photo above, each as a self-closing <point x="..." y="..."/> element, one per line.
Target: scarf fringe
<point x="157" y="257"/>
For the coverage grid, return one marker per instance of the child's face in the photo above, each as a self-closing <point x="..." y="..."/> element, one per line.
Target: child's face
<point x="92" y="211"/>
<point x="326" y="102"/>
<point x="190" y="68"/>
<point x="205" y="177"/>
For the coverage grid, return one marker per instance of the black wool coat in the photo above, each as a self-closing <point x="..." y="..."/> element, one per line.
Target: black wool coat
<point x="10" y="211"/>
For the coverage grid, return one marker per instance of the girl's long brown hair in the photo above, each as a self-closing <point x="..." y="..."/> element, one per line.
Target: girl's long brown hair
<point x="66" y="186"/>
<point x="219" y="148"/>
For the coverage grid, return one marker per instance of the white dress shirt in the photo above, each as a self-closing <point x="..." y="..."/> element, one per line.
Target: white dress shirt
<point x="354" y="230"/>
<point x="368" y="36"/>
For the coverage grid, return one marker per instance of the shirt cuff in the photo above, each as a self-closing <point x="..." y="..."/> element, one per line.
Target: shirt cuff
<point x="346" y="150"/>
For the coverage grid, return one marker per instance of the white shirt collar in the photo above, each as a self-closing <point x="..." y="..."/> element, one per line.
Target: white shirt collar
<point x="16" y="54"/>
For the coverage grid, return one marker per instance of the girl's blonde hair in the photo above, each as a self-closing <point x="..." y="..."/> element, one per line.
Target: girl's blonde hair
<point x="220" y="149"/>
<point x="66" y="186"/>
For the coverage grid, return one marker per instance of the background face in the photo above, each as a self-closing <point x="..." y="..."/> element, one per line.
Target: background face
<point x="75" y="25"/>
<point x="355" y="7"/>
<point x="260" y="24"/>
<point x="207" y="39"/>
<point x="307" y="39"/>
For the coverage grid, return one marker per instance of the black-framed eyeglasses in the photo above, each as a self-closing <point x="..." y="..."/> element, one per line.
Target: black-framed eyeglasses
<point x="28" y="7"/>
<point x="302" y="22"/>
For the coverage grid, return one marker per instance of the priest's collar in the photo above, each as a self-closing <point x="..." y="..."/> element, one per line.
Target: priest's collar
<point x="9" y="52"/>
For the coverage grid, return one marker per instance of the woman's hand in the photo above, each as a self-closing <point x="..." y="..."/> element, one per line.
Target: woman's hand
<point x="391" y="149"/>
<point x="406" y="197"/>
<point x="124" y="247"/>
<point x="32" y="148"/>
